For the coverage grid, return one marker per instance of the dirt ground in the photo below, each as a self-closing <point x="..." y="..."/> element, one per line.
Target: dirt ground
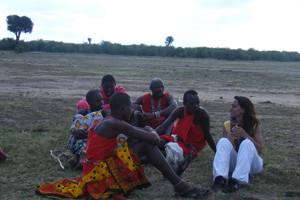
<point x="44" y="84"/>
<point x="58" y="89"/>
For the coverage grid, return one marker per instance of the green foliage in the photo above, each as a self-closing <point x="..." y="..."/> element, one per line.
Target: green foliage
<point x="109" y="48"/>
<point x="18" y="24"/>
<point x="7" y="44"/>
<point x="169" y="40"/>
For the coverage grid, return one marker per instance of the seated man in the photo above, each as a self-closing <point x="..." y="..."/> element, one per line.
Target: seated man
<point x="156" y="106"/>
<point x="83" y="121"/>
<point x="112" y="167"/>
<point x="108" y="88"/>
<point x="192" y="130"/>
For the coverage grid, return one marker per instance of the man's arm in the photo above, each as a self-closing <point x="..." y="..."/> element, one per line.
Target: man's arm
<point x="113" y="127"/>
<point x="139" y="100"/>
<point x="172" y="104"/>
<point x="177" y="113"/>
<point x="205" y="122"/>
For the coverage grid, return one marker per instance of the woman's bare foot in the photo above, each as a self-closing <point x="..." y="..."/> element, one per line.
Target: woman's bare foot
<point x="80" y="162"/>
<point x="73" y="160"/>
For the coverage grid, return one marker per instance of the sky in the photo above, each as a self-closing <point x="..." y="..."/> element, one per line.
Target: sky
<point x="258" y="24"/>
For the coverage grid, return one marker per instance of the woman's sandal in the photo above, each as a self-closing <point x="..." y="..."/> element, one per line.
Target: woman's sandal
<point x="185" y="163"/>
<point x="200" y="192"/>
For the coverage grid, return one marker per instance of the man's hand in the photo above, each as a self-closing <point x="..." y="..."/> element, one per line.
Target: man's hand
<point x="148" y="128"/>
<point x="148" y="116"/>
<point x="79" y="134"/>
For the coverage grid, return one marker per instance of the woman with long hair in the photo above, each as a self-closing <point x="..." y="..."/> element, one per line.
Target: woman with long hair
<point x="240" y="149"/>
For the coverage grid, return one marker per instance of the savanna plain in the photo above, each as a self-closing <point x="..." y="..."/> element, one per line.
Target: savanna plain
<point x="39" y="92"/>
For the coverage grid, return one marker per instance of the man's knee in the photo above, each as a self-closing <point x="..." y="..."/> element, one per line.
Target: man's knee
<point x="162" y="143"/>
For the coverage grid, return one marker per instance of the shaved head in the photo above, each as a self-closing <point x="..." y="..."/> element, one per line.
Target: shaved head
<point x="154" y="81"/>
<point x="119" y="99"/>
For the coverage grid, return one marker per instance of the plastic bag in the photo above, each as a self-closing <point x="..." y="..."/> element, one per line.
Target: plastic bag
<point x="174" y="153"/>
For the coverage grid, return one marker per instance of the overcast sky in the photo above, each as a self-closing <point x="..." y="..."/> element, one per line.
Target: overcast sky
<point x="258" y="24"/>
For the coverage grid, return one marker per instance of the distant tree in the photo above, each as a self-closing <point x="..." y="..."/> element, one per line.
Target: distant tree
<point x="90" y="40"/>
<point x="18" y="24"/>
<point x="169" y="40"/>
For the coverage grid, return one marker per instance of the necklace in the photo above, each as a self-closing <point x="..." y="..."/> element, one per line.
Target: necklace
<point x="158" y="106"/>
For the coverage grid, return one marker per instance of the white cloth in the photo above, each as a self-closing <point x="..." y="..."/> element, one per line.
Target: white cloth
<point x="241" y="164"/>
<point x="174" y="152"/>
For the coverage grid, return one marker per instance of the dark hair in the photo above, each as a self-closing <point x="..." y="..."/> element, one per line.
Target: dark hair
<point x="91" y="95"/>
<point x="153" y="81"/>
<point x="118" y="99"/>
<point x="189" y="92"/>
<point x="108" y="78"/>
<point x="250" y="121"/>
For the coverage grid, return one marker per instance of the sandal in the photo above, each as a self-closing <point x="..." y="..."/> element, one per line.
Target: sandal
<point x="200" y="192"/>
<point x="74" y="160"/>
<point x="185" y="163"/>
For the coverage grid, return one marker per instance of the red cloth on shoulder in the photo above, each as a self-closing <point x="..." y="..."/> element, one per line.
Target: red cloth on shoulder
<point x="189" y="133"/>
<point x="83" y="104"/>
<point x="147" y="107"/>
<point x="3" y="157"/>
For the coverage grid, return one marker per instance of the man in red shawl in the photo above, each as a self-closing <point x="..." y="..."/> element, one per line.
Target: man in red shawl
<point x="156" y="106"/>
<point x="108" y="88"/>
<point x="192" y="130"/>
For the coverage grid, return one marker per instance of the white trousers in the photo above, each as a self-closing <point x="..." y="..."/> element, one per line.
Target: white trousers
<point x="241" y="164"/>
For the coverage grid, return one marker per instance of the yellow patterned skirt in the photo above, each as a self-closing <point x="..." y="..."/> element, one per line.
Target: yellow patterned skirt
<point x="121" y="173"/>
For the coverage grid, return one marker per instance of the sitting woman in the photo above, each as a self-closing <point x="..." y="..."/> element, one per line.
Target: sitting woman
<point x="83" y="121"/>
<point x="240" y="149"/>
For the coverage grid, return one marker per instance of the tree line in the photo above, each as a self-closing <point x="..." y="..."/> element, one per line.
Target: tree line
<point x="106" y="47"/>
<point x="17" y="25"/>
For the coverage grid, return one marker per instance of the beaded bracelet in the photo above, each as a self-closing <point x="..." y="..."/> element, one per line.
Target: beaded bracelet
<point x="157" y="114"/>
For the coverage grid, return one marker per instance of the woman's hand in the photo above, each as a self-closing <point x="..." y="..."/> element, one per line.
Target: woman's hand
<point x="79" y="134"/>
<point x="239" y="131"/>
<point x="231" y="136"/>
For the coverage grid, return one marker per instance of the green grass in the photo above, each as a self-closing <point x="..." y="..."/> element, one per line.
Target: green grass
<point x="39" y="92"/>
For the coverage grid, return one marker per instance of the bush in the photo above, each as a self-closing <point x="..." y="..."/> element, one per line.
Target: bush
<point x="7" y="44"/>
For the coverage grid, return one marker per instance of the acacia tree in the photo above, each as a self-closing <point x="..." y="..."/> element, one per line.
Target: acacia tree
<point x="89" y="40"/>
<point x="18" y="24"/>
<point x="169" y="40"/>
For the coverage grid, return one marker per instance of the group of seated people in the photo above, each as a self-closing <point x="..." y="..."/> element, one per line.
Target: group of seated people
<point x="113" y="136"/>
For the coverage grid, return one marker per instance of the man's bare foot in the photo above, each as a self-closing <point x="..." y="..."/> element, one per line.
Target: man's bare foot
<point x="73" y="160"/>
<point x="185" y="190"/>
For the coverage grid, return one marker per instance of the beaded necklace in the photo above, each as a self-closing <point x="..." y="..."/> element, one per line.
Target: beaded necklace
<point x="158" y="106"/>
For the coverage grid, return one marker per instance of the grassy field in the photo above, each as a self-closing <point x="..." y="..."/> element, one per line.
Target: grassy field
<point x="39" y="92"/>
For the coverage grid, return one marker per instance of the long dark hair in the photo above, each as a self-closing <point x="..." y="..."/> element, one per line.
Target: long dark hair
<point x="250" y="121"/>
